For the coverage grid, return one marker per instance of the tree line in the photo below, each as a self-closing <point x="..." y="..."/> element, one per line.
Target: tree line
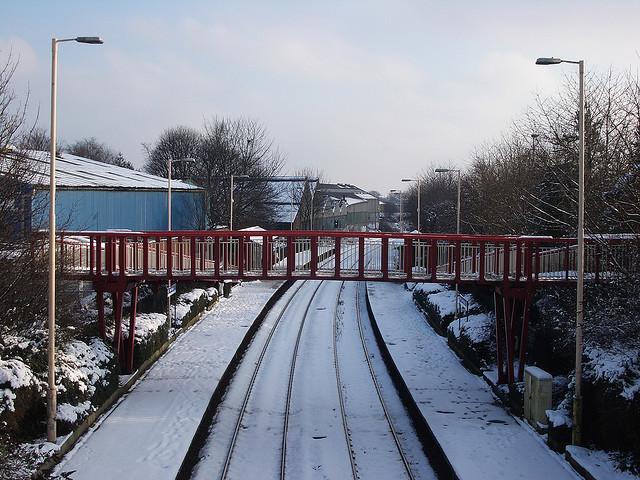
<point x="526" y="182"/>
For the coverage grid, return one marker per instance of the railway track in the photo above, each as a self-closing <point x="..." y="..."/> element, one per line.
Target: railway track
<point x="289" y="404"/>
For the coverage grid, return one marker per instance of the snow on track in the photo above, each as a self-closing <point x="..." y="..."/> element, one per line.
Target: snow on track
<point x="149" y="431"/>
<point x="479" y="438"/>
<point x="383" y="439"/>
<point x="317" y="445"/>
<point x="258" y="405"/>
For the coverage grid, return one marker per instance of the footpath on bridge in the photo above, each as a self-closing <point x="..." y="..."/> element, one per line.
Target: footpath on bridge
<point x="147" y="434"/>
<point x="480" y="439"/>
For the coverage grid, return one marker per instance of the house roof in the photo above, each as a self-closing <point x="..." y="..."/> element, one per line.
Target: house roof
<point x="83" y="173"/>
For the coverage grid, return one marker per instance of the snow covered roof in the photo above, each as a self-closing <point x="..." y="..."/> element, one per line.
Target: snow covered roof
<point x="79" y="172"/>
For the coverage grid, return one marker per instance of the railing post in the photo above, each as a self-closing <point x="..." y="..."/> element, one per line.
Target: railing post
<point x="337" y="256"/>
<point x="265" y="256"/>
<point x="566" y="261"/>
<point x="99" y="255"/>
<point x="597" y="262"/>
<point x="169" y="257"/>
<point x="92" y="261"/>
<point x="527" y="260"/>
<point x="180" y="254"/>
<point x="145" y="256"/>
<point x="240" y="256"/>
<point x="62" y="252"/>
<point x="505" y="261"/>
<point x="384" y="258"/>
<point x="361" y="257"/>
<point x="192" y="255"/>
<point x="122" y="256"/>
<point x="216" y="257"/>
<point x="158" y="256"/>
<point x="518" y="273"/>
<point x="291" y="256"/>
<point x="408" y="257"/>
<point x="314" y="255"/>
<point x="536" y="262"/>
<point x="433" y="259"/>
<point x="458" y="260"/>
<point x="482" y="251"/>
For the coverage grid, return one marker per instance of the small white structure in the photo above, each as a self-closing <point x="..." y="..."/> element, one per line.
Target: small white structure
<point x="537" y="396"/>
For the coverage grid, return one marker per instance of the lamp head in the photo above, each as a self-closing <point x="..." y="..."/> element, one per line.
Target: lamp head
<point x="442" y="170"/>
<point x="548" y="61"/>
<point x="89" y="40"/>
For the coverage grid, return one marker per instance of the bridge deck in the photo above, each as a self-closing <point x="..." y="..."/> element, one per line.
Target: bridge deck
<point x="241" y="255"/>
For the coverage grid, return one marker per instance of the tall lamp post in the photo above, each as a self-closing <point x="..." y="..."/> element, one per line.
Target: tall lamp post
<point x="170" y="162"/>
<point x="454" y="170"/>
<point x="51" y="356"/>
<point x="534" y="137"/>
<point x="417" y="180"/>
<point x="577" y="397"/>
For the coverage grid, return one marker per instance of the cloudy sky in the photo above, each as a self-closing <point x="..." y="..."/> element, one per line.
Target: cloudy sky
<point x="368" y="92"/>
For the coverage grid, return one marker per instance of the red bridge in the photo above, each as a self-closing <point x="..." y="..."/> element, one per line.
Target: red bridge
<point x="514" y="266"/>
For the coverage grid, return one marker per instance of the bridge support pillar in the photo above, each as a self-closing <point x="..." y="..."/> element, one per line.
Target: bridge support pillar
<point x="132" y="328"/>
<point x="512" y="305"/>
<point x="100" y="307"/>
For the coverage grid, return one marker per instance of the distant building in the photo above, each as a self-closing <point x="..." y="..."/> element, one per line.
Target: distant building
<point x="341" y="206"/>
<point x="292" y="202"/>
<point x="91" y="195"/>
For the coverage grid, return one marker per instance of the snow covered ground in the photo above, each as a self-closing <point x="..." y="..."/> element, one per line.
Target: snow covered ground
<point x="598" y="463"/>
<point x="480" y="439"/>
<point x="147" y="434"/>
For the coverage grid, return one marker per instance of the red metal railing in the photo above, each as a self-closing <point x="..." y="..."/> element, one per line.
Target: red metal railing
<point x="338" y="255"/>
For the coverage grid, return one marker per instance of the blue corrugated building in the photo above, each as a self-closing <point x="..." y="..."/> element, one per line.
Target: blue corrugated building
<point x="92" y="195"/>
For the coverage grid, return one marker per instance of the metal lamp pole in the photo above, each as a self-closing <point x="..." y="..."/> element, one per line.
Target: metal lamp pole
<point x="51" y="354"/>
<point x="577" y="398"/>
<point x="417" y="180"/>
<point x="458" y="171"/>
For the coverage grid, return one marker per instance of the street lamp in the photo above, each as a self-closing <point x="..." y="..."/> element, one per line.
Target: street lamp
<point x="453" y="170"/>
<point x="577" y="397"/>
<point x="417" y="180"/>
<point x="51" y="356"/>
<point x="534" y="137"/>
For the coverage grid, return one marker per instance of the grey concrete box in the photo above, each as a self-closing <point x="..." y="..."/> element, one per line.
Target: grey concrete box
<point x="537" y="395"/>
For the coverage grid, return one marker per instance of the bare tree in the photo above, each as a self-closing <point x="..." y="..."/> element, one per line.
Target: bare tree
<point x="98" y="151"/>
<point x="37" y="139"/>
<point x="174" y="144"/>
<point x="23" y="283"/>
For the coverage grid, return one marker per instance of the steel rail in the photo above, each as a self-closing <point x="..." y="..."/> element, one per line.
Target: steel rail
<point x="247" y="396"/>
<point x="387" y="415"/>
<point x="336" y="364"/>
